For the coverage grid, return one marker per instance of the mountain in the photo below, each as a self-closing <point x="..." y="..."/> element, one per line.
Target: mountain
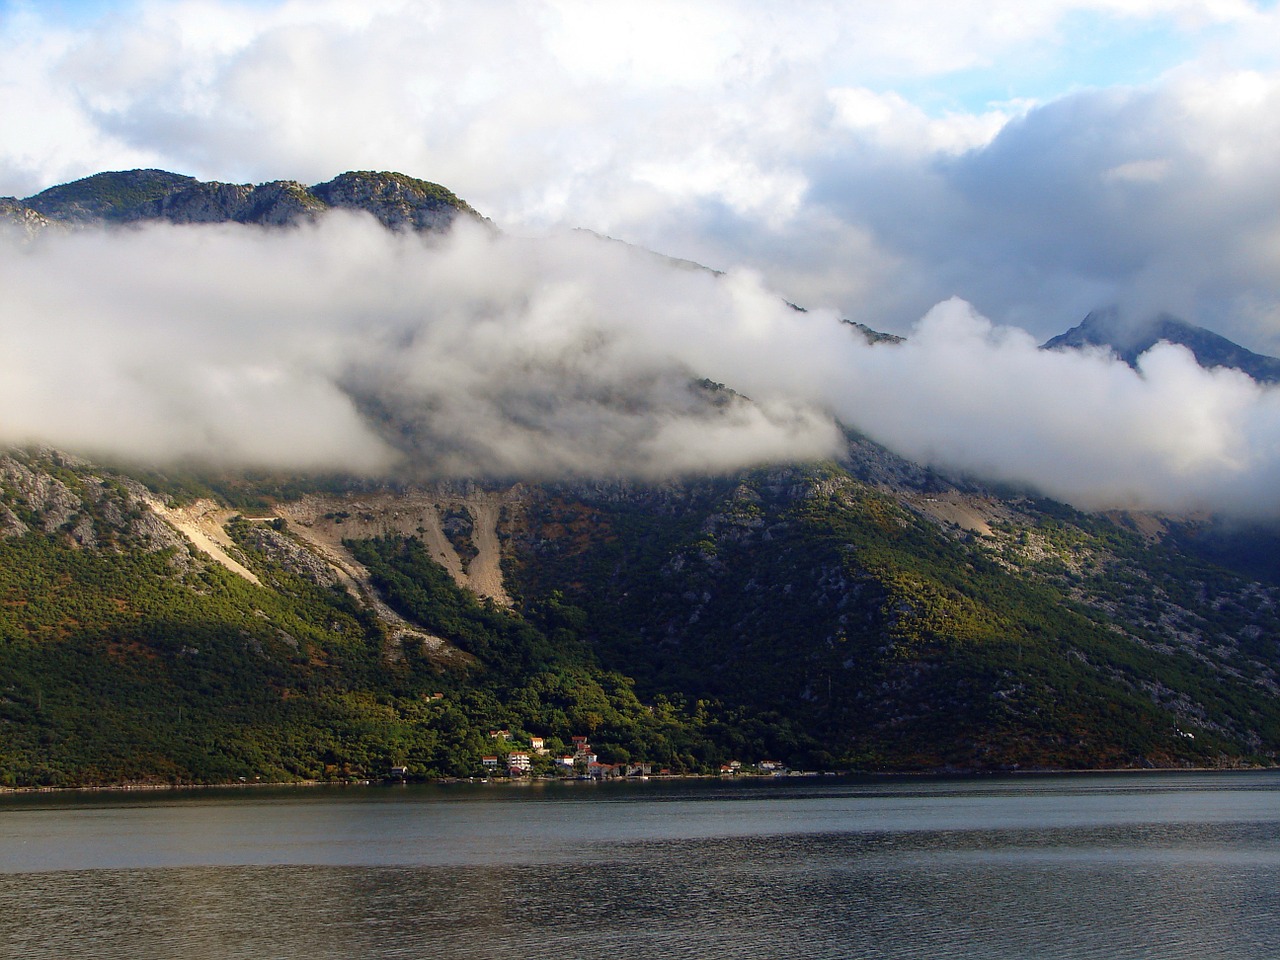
<point x="1129" y="340"/>
<point x="138" y="195"/>
<point x="867" y="613"/>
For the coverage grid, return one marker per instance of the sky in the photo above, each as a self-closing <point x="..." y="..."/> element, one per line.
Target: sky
<point x="976" y="176"/>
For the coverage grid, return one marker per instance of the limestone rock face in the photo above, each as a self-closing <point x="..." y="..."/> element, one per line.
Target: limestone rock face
<point x="53" y="492"/>
<point x="279" y="203"/>
<point x="15" y="213"/>
<point x="10" y="525"/>
<point x="46" y="498"/>
<point x="199" y="203"/>
<point x="276" y="204"/>
<point x="396" y="200"/>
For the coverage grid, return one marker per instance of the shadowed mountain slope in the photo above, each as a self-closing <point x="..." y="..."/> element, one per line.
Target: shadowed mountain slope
<point x="1129" y="340"/>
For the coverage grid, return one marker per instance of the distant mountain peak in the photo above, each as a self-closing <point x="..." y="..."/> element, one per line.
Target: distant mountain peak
<point x="1128" y="340"/>
<point x="131" y="196"/>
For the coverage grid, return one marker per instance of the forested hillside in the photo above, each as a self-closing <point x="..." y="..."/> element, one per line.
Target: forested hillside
<point x="826" y="617"/>
<point x="894" y="639"/>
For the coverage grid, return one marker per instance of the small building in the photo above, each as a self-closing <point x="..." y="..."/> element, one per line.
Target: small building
<point x="537" y="745"/>
<point x="489" y="761"/>
<point x="519" y="761"/>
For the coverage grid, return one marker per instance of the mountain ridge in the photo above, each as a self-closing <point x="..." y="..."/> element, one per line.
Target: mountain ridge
<point x="132" y="196"/>
<point x="866" y="614"/>
<point x="1128" y="340"/>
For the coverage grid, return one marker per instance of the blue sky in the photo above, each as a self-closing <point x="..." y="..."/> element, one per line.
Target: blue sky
<point x="1090" y="52"/>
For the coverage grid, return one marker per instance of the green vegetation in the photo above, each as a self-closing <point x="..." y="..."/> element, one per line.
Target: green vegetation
<point x="536" y="671"/>
<point x="118" y="668"/>
<point x="790" y="614"/>
<point x="107" y="195"/>
<point x="375" y="190"/>
<point x="133" y="194"/>
<point x="136" y="665"/>
<point x="885" y="640"/>
<point x="423" y="189"/>
<point x="246" y="490"/>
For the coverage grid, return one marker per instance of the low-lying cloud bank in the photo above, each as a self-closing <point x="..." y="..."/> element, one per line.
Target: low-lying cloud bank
<point x="1082" y="427"/>
<point x="343" y="346"/>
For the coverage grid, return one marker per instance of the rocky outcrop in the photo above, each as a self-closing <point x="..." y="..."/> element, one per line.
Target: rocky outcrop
<point x="275" y="204"/>
<point x="47" y="503"/>
<point x="43" y="492"/>
<point x="396" y="200"/>
<point x="10" y="525"/>
<point x="17" y="214"/>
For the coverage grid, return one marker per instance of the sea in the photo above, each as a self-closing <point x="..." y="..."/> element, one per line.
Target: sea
<point x="1125" y="865"/>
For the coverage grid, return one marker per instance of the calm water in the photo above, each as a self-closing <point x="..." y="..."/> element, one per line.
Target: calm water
<point x="1142" y="865"/>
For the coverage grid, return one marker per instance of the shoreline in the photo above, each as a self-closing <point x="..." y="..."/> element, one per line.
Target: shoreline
<point x="542" y="781"/>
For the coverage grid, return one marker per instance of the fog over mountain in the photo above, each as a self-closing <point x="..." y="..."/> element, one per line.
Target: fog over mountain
<point x="347" y="346"/>
<point x="1130" y="337"/>
<point x="480" y="354"/>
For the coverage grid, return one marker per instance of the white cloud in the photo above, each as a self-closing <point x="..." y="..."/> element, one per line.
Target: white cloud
<point x="896" y="124"/>
<point x="832" y="151"/>
<point x="660" y="44"/>
<point x="344" y="346"/>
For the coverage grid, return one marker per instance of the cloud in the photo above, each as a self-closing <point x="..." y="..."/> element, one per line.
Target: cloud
<point x="344" y="346"/>
<point x="963" y="393"/>
<point x="875" y="158"/>
<point x="1157" y="195"/>
<point x="1156" y="199"/>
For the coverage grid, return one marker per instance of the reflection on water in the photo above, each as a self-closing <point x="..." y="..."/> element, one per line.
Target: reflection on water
<point x="929" y="869"/>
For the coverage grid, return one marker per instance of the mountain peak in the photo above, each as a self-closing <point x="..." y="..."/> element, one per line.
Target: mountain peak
<point x="130" y="196"/>
<point x="395" y="199"/>
<point x="106" y="196"/>
<point x="1129" y="339"/>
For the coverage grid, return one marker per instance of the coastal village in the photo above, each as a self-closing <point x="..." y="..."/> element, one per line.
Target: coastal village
<point x="514" y="760"/>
